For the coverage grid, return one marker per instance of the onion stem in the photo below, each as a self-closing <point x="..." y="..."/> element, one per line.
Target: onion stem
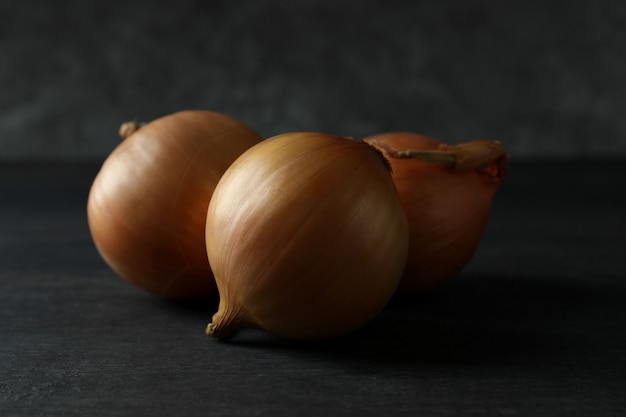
<point x="486" y="155"/>
<point x="220" y="332"/>
<point x="128" y="128"/>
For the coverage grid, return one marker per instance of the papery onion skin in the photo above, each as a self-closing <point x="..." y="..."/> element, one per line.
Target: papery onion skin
<point x="147" y="205"/>
<point x="306" y="236"/>
<point x="447" y="210"/>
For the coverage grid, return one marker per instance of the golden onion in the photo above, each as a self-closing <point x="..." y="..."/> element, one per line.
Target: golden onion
<point x="147" y="205"/>
<point x="447" y="193"/>
<point x="306" y="236"/>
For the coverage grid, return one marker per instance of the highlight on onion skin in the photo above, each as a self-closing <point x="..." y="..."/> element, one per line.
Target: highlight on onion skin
<point x="447" y="193"/>
<point x="306" y="236"/>
<point x="147" y="205"/>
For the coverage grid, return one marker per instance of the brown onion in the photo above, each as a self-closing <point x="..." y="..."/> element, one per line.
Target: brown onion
<point x="306" y="236"/>
<point x="447" y="192"/>
<point x="147" y="205"/>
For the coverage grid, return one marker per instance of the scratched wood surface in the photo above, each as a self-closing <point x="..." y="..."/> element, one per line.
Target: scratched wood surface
<point x="535" y="326"/>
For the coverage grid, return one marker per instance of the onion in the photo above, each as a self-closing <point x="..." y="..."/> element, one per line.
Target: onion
<point x="306" y="236"/>
<point x="447" y="192"/>
<point x="147" y="205"/>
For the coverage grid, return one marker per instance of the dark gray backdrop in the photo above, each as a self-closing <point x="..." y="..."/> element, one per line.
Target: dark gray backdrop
<point x="547" y="78"/>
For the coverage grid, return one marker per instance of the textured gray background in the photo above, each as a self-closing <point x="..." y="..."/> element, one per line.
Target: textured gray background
<point x="545" y="77"/>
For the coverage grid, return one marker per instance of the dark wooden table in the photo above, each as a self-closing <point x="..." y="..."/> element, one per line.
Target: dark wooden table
<point x="535" y="326"/>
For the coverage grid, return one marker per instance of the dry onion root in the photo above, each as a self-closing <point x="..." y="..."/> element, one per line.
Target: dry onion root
<point x="306" y="236"/>
<point x="147" y="205"/>
<point x="447" y="193"/>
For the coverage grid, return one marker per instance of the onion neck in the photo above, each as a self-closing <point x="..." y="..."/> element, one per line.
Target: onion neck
<point x="128" y="128"/>
<point x="218" y="332"/>
<point x="222" y="329"/>
<point x="486" y="156"/>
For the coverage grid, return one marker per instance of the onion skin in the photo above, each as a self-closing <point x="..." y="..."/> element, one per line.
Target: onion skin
<point x="306" y="236"/>
<point x="447" y="206"/>
<point x="147" y="205"/>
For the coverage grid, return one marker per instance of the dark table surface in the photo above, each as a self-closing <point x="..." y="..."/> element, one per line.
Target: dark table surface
<point x="535" y="325"/>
